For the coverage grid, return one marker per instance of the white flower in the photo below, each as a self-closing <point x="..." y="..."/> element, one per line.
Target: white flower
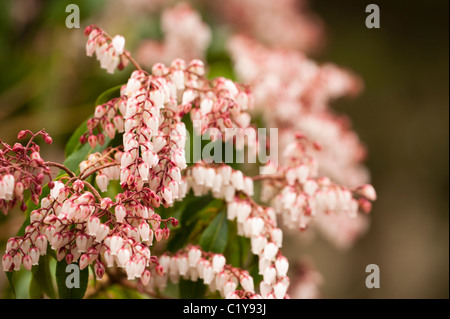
<point x="118" y="43"/>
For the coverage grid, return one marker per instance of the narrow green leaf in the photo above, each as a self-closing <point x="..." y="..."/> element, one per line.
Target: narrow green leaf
<point x="108" y="95"/>
<point x="215" y="236"/>
<point x="74" y="160"/>
<point x="61" y="276"/>
<point x="35" y="289"/>
<point x="10" y="276"/>
<point x="74" y="141"/>
<point x="41" y="273"/>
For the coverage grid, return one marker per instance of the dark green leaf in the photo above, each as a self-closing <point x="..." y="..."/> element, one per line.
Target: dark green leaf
<point x="192" y="290"/>
<point x="62" y="276"/>
<point x="215" y="236"/>
<point x="42" y="275"/>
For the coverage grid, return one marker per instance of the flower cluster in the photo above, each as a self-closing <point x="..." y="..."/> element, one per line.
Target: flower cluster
<point x="186" y="36"/>
<point x="260" y="225"/>
<point x="299" y="195"/>
<point x="223" y="181"/>
<point x="109" y="51"/>
<point x="192" y="263"/>
<point x="22" y="168"/>
<point x="293" y="92"/>
<point x="85" y="228"/>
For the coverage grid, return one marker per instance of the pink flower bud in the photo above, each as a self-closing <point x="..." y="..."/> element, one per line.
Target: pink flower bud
<point x="7" y="262"/>
<point x="99" y="269"/>
<point x="84" y="261"/>
<point x="120" y="213"/>
<point x="158" y="234"/>
<point x="145" y="278"/>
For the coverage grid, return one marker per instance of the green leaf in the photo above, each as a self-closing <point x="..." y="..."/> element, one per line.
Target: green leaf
<point x="35" y="289"/>
<point x="192" y="290"/>
<point x="215" y="236"/>
<point x="74" y="141"/>
<point x="10" y="276"/>
<point x="42" y="275"/>
<point x="61" y="277"/>
<point x="74" y="160"/>
<point x="108" y="95"/>
<point x="195" y="213"/>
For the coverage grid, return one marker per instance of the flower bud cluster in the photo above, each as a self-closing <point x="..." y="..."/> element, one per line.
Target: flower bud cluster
<point x="22" y="168"/>
<point x="82" y="227"/>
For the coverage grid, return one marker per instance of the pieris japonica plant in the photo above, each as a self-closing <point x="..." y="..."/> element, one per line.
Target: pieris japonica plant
<point x="129" y="207"/>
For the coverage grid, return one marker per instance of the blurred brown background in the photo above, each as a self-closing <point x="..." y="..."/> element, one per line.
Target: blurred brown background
<point x="402" y="116"/>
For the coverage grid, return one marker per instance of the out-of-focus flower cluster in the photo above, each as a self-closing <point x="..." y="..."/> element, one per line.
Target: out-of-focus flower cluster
<point x="185" y="36"/>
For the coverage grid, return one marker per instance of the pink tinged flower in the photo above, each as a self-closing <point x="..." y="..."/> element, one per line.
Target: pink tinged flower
<point x="82" y="242"/>
<point x="152" y="123"/>
<point x="178" y="79"/>
<point x="57" y="192"/>
<point x="206" y="106"/>
<point x="158" y="97"/>
<point x="263" y="263"/>
<point x="118" y="43"/>
<point x="208" y="274"/>
<point x="8" y="179"/>
<point x="194" y="255"/>
<point x="123" y="256"/>
<point x="247" y="284"/>
<point x="229" y="287"/>
<point x="126" y="160"/>
<point x="158" y="234"/>
<point x="145" y="278"/>
<point x="119" y="123"/>
<point x="167" y="195"/>
<point x="92" y="225"/>
<point x="310" y="187"/>
<point x="175" y="174"/>
<point x="237" y="180"/>
<point x="265" y="288"/>
<point x="34" y="254"/>
<point x="144" y="170"/>
<point x="221" y="279"/>
<point x="282" y="266"/>
<point x="183" y="265"/>
<point x="232" y="210"/>
<point x="41" y="243"/>
<point x="158" y="143"/>
<point x="270" y="275"/>
<point x="7" y="262"/>
<point x="280" y="289"/>
<point x="248" y="186"/>
<point x="102" y="182"/>
<point x="257" y="225"/>
<point x="150" y="158"/>
<point x="210" y="174"/>
<point x="109" y="258"/>
<point x="368" y="192"/>
<point x="116" y="244"/>
<point x="99" y="270"/>
<point x="144" y="231"/>
<point x="84" y="261"/>
<point x="69" y="258"/>
<point x="17" y="261"/>
<point x="198" y="173"/>
<point x="57" y="240"/>
<point x="218" y="262"/>
<point x="243" y="211"/>
<point x="257" y="244"/>
<point x="166" y="233"/>
<point x="277" y="236"/>
<point x="270" y="251"/>
<point x="180" y="159"/>
<point x="120" y="213"/>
